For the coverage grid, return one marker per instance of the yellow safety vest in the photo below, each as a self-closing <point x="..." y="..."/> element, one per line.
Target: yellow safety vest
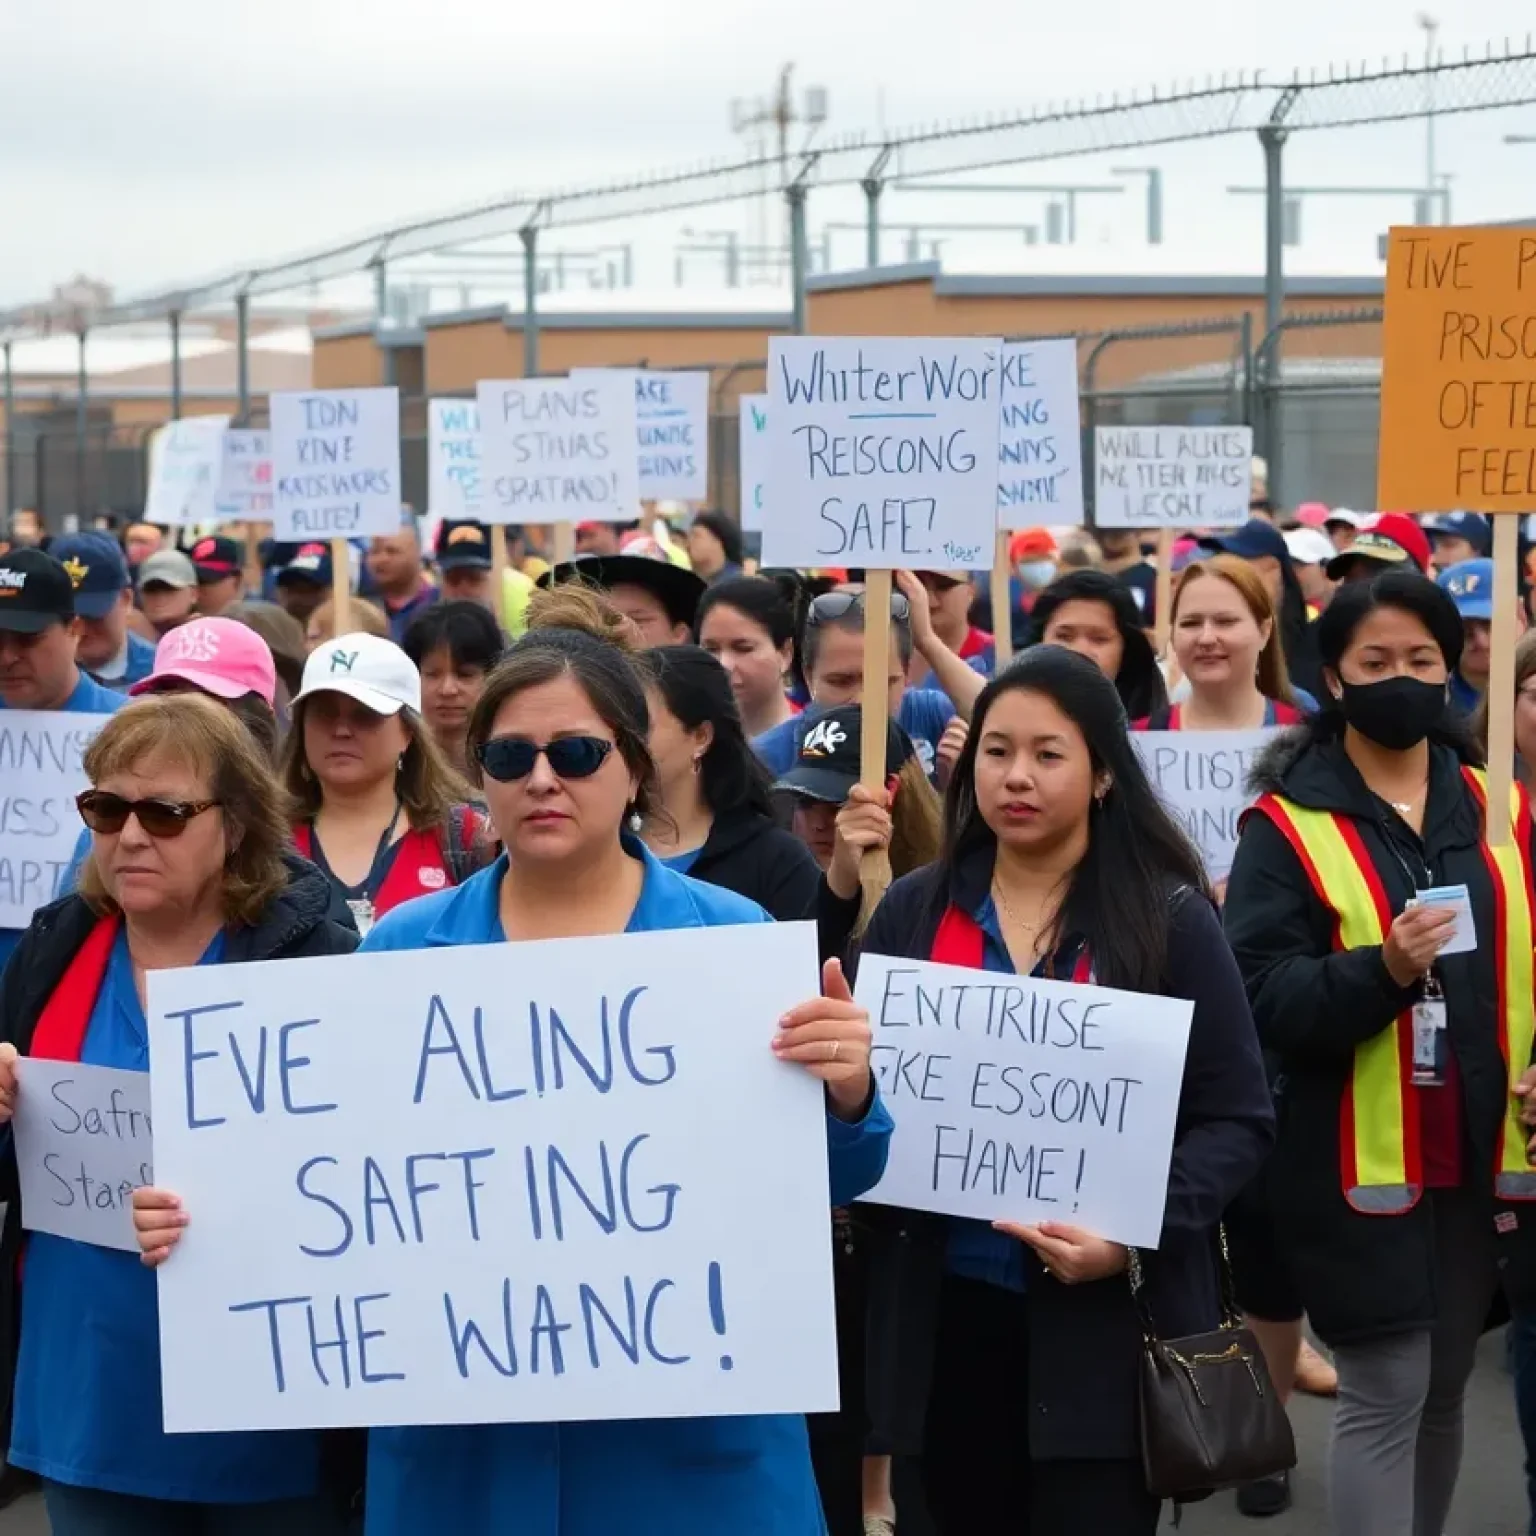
<point x="1379" y="1150"/>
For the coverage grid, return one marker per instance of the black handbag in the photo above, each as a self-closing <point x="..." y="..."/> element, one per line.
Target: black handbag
<point x="1210" y="1416"/>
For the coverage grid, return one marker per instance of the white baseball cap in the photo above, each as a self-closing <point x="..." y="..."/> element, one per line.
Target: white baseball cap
<point x="375" y="672"/>
<point x="1310" y="546"/>
<point x="1351" y="519"/>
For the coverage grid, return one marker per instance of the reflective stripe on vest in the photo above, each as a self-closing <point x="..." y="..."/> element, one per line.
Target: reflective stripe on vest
<point x="1379" y="1145"/>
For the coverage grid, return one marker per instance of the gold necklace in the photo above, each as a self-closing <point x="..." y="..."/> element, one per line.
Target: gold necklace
<point x="1033" y="929"/>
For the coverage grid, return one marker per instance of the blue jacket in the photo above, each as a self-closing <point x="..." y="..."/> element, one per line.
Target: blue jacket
<point x="662" y="1477"/>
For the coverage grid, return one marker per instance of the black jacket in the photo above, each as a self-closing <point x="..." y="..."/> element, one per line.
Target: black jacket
<point x="756" y="858"/>
<point x="1084" y="1340"/>
<point x="1359" y="1276"/>
<point x="296" y="924"/>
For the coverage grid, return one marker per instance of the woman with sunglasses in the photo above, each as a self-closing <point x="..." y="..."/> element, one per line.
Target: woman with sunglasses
<point x="714" y="816"/>
<point x="560" y="736"/>
<point x="188" y="866"/>
<point x="380" y="810"/>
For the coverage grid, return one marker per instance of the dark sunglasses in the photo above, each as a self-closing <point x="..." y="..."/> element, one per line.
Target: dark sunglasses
<point x="510" y="758"/>
<point x="832" y="606"/>
<point x="103" y="812"/>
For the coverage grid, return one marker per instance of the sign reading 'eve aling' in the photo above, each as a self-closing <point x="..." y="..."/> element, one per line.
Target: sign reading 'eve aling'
<point x="882" y="452"/>
<point x="491" y="1195"/>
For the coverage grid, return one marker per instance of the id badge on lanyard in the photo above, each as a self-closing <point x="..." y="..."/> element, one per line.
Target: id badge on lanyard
<point x="362" y="915"/>
<point x="1429" y="1041"/>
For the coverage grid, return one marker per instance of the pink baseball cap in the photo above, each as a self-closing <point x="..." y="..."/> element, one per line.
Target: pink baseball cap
<point x="1312" y="514"/>
<point x="220" y="656"/>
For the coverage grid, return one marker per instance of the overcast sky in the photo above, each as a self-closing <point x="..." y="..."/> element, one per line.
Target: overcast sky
<point x="150" y="143"/>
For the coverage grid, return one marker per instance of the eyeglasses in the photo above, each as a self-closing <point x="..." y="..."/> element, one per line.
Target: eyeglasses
<point x="832" y="606"/>
<point x="510" y="758"/>
<point x="104" y="812"/>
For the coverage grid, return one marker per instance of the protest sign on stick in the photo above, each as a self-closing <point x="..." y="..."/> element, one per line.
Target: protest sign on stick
<point x="515" y="1188"/>
<point x="752" y="462"/>
<point x="1458" y="419"/>
<point x="245" y="481"/>
<point x="1002" y="604"/>
<point x="335" y="464"/>
<point x="671" y="430"/>
<point x="1021" y="1099"/>
<point x="1162" y="591"/>
<point x="1172" y="477"/>
<point x="83" y="1146"/>
<point x="40" y="775"/>
<point x="341" y="587"/>
<point x="453" y="459"/>
<point x="1040" y="449"/>
<point x="186" y="468"/>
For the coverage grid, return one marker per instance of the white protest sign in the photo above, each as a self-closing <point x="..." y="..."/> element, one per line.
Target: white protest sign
<point x="1202" y="778"/>
<point x="671" y="431"/>
<point x="882" y="452"/>
<point x="501" y="1184"/>
<point x="1172" y="477"/>
<point x="186" y="465"/>
<point x="335" y="463"/>
<point x="752" y="461"/>
<point x="245" y="482"/>
<point x="453" y="459"/>
<point x="82" y="1147"/>
<point x="40" y="775"/>
<point x="559" y="450"/>
<point x="1040" y="450"/>
<point x="1020" y="1099"/>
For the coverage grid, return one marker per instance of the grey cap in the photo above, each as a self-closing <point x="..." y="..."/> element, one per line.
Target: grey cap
<point x="168" y="567"/>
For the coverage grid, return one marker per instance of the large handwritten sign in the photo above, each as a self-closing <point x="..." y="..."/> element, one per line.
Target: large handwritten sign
<point x="564" y="1180"/>
<point x="1202" y="778"/>
<point x="752" y="461"/>
<point x="40" y="775"/>
<point x="453" y="459"/>
<point x="671" y="431"/>
<point x="82" y="1147"/>
<point x="882" y="452"/>
<point x="559" y="450"/>
<point x="1458" y="371"/>
<point x="335" y="463"/>
<point x="1172" y="477"/>
<point x="245" y="482"/>
<point x="186" y="464"/>
<point x="1021" y="1099"/>
<point x="1040" y="450"/>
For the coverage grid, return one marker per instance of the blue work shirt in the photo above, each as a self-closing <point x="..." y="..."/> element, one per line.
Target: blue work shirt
<point x="923" y="714"/>
<point x="87" y="1408"/>
<point x="641" y="1477"/>
<point x="88" y="698"/>
<point x="138" y="663"/>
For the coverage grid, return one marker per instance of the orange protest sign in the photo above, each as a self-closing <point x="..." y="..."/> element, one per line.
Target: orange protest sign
<point x="1458" y="371"/>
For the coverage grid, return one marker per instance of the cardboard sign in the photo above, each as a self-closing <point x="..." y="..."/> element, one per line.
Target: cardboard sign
<point x="1040" y="450"/>
<point x="511" y="1184"/>
<point x="335" y="463"/>
<point x="245" y="477"/>
<point x="671" y="431"/>
<point x="559" y="450"/>
<point x="186" y="467"/>
<point x="1020" y="1099"/>
<point x="1172" y="477"/>
<point x="453" y="460"/>
<point x="40" y="775"/>
<point x="83" y="1145"/>
<point x="1458" y="371"/>
<point x="753" y="461"/>
<point x="882" y="452"/>
<point x="1202" y="778"/>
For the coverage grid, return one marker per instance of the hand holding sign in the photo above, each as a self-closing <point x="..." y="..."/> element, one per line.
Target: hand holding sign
<point x="158" y="1222"/>
<point x="1068" y="1253"/>
<point x="1416" y="937"/>
<point x="830" y="1037"/>
<point x="7" y="1082"/>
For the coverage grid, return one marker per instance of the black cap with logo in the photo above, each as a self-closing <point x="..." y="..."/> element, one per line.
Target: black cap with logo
<point x="216" y="558"/>
<point x="35" y="592"/>
<point x="463" y="546"/>
<point x="827" y="766"/>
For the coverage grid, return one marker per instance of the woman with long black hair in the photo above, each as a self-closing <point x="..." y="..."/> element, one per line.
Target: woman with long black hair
<point x="1015" y="1363"/>
<point x="714" y="818"/>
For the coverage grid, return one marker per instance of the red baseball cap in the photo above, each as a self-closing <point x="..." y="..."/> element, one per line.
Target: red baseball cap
<point x="1406" y="534"/>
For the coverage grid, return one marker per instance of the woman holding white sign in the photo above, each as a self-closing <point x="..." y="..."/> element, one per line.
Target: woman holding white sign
<point x="188" y="867"/>
<point x="1386" y="947"/>
<point x="1019" y="1345"/>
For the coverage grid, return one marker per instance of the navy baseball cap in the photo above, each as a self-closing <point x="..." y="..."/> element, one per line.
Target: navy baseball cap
<point x="97" y="568"/>
<point x="309" y="562"/>
<point x="463" y="545"/>
<point x="1470" y="587"/>
<point x="1471" y="526"/>
<point x="35" y="592"/>
<point x="1254" y="539"/>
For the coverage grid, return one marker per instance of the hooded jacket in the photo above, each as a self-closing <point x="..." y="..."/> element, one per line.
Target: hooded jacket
<point x="751" y="855"/>
<point x="1361" y="1275"/>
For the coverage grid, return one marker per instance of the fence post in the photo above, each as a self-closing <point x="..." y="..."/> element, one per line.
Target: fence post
<point x="873" y="185"/>
<point x="175" y="323"/>
<point x="82" y="408"/>
<point x="1272" y="137"/>
<point x="243" y="357"/>
<point x="529" y="234"/>
<point x="798" y="255"/>
<point x="10" y="433"/>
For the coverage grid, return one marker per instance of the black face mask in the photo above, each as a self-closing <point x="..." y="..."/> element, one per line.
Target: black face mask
<point x="1396" y="713"/>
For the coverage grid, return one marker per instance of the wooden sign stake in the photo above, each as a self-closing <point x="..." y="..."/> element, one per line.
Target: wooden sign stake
<point x="1162" y="601"/>
<point x="341" y="587"/>
<point x="1002" y="607"/>
<point x="1501" y="674"/>
<point x="499" y="572"/>
<point x="563" y="543"/>
<point x="875" y="866"/>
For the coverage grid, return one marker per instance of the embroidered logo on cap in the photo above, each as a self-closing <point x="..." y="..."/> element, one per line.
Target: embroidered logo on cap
<point x="823" y="739"/>
<point x="76" y="571"/>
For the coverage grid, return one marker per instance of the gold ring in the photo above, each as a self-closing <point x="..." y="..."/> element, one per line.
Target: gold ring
<point x="837" y="1045"/>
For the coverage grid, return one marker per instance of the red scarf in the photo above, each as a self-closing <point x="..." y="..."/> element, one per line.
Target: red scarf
<point x="961" y="941"/>
<point x="60" y="1032"/>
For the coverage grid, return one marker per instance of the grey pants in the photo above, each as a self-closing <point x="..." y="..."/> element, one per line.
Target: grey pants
<point x="1397" y="1428"/>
